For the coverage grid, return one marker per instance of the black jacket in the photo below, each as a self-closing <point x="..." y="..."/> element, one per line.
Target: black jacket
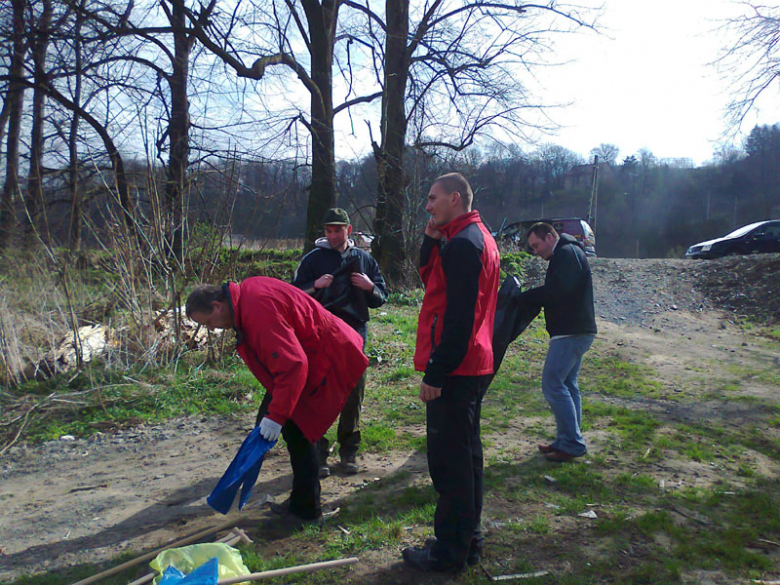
<point x="567" y="294"/>
<point x="341" y="298"/>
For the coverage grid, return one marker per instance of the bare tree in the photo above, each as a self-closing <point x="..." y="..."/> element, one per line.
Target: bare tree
<point x="39" y="43"/>
<point x="152" y="47"/>
<point x="749" y="63"/>
<point x="311" y="24"/>
<point x="76" y="208"/>
<point x="607" y="153"/>
<point x="449" y="78"/>
<point x="15" y="103"/>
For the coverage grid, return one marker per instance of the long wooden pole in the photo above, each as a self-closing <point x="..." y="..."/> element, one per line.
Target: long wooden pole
<point x="186" y="540"/>
<point x="288" y="571"/>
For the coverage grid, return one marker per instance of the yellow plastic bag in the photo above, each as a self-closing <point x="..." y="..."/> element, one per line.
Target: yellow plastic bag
<point x="189" y="558"/>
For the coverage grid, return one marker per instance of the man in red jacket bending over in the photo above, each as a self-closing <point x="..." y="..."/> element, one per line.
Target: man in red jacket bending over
<point x="306" y="358"/>
<point x="455" y="350"/>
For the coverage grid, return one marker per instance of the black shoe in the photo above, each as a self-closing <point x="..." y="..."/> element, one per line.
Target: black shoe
<point x="474" y="554"/>
<point x="420" y="558"/>
<point x="282" y="513"/>
<point x="349" y="464"/>
<point x="324" y="471"/>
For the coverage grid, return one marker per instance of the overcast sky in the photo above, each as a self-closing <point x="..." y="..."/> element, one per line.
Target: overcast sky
<point x="645" y="81"/>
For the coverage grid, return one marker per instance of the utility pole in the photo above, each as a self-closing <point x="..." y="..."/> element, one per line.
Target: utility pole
<point x="594" y="194"/>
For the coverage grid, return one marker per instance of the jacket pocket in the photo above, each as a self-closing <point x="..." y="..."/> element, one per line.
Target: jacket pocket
<point x="317" y="387"/>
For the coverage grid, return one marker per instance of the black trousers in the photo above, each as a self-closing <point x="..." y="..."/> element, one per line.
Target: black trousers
<point x="305" y="495"/>
<point x="456" y="465"/>
<point x="348" y="430"/>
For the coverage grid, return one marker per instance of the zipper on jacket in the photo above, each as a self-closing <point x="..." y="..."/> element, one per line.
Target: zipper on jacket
<point x="433" y="332"/>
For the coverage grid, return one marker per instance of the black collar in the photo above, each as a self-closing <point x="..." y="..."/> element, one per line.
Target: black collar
<point x="229" y="300"/>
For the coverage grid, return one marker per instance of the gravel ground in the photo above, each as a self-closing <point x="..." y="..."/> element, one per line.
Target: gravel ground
<point x="632" y="291"/>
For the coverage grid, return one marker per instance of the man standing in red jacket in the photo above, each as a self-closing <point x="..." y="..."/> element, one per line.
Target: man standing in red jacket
<point x="455" y="350"/>
<point x="306" y="359"/>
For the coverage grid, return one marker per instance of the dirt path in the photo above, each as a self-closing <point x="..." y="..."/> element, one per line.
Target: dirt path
<point x="82" y="501"/>
<point x="76" y="501"/>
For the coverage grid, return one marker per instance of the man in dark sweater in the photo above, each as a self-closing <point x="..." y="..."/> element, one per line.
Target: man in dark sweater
<point x="567" y="298"/>
<point x="346" y="281"/>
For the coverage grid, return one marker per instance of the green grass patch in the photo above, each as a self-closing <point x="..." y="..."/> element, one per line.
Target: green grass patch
<point x="612" y="376"/>
<point x="100" y="398"/>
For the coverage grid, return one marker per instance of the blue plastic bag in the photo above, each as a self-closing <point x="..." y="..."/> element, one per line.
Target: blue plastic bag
<point x="241" y="473"/>
<point x="206" y="574"/>
<point x="176" y="563"/>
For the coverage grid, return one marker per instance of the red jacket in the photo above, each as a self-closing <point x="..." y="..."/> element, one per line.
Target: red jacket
<point x="455" y="327"/>
<point x="306" y="358"/>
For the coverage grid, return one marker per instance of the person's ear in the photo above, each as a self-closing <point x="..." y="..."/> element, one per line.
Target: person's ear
<point x="216" y="306"/>
<point x="349" y="230"/>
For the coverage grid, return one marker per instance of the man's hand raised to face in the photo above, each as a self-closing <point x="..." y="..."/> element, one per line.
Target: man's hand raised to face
<point x="432" y="231"/>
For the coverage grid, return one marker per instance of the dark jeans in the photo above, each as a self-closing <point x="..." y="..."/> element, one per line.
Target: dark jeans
<point x="305" y="495"/>
<point x="348" y="431"/>
<point x="456" y="466"/>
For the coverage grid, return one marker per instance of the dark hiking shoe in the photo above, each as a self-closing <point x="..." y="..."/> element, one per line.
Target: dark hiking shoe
<point x="474" y="555"/>
<point x="558" y="456"/>
<point x="324" y="471"/>
<point x="420" y="558"/>
<point x="349" y="464"/>
<point x="282" y="513"/>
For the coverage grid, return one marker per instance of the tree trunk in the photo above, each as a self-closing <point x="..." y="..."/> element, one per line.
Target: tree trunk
<point x="76" y="211"/>
<point x="15" y="101"/>
<point x="39" y="41"/>
<point x="322" y="26"/>
<point x="388" y="246"/>
<point x="178" y="133"/>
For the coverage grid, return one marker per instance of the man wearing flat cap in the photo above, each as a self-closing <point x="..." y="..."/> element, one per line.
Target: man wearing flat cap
<point x="347" y="281"/>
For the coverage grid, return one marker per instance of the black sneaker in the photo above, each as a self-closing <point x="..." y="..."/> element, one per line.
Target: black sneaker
<point x="420" y="558"/>
<point x="474" y="555"/>
<point x="349" y="464"/>
<point x="283" y="513"/>
<point x="324" y="471"/>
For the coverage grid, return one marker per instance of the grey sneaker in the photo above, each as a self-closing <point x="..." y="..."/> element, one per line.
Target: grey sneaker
<point x="349" y="464"/>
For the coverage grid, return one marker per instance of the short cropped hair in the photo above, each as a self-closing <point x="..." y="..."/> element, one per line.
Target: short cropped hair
<point x="456" y="182"/>
<point x="540" y="229"/>
<point x="200" y="299"/>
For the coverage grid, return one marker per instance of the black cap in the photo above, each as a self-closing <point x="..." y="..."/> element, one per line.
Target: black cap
<point x="336" y="216"/>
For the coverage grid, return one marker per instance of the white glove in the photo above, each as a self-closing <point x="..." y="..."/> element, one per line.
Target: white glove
<point x="270" y="429"/>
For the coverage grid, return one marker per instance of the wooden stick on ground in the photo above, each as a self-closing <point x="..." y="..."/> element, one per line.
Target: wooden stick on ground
<point x="289" y="571"/>
<point x="137" y="561"/>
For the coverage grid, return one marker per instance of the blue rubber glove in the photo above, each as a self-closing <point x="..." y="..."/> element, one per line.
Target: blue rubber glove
<point x="270" y="429"/>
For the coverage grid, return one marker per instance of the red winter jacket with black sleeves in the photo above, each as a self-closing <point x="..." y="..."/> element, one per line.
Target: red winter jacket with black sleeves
<point x="306" y="358"/>
<point x="455" y="326"/>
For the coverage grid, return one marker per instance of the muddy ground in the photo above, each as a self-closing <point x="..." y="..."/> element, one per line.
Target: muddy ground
<point x="79" y="501"/>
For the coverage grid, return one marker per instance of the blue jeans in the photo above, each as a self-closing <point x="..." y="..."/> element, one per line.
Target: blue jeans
<point x="559" y="385"/>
